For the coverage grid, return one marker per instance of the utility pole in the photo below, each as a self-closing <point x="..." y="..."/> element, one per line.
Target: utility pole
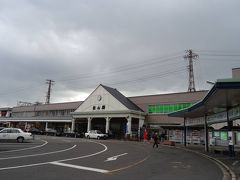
<point x="191" y="56"/>
<point x="50" y="83"/>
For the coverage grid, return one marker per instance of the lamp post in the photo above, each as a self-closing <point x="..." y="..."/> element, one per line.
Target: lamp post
<point x="210" y="82"/>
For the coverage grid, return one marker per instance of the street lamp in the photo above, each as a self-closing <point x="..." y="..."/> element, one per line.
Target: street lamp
<point x="210" y="82"/>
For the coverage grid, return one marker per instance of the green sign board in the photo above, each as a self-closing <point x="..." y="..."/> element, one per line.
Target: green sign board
<point x="224" y="136"/>
<point x="167" y="108"/>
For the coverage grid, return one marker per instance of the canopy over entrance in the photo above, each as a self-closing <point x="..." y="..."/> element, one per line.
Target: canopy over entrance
<point x="221" y="104"/>
<point x="224" y="95"/>
<point x="103" y="106"/>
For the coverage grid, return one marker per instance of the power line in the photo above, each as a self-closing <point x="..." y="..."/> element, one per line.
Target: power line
<point x="132" y="67"/>
<point x="218" y="59"/>
<point x="16" y="91"/>
<point x="117" y="74"/>
<point x="147" y="77"/>
<point x="153" y="76"/>
<point x="216" y="51"/>
<point x="119" y="69"/>
<point x="221" y="55"/>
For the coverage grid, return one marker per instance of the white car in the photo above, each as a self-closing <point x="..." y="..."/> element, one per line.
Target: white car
<point x="15" y="134"/>
<point x="50" y="131"/>
<point x="96" y="134"/>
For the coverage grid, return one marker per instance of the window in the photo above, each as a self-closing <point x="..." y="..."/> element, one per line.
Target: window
<point x="14" y="131"/>
<point x="103" y="106"/>
<point x="62" y="113"/>
<point x="5" y="131"/>
<point x="52" y="113"/>
<point x="94" y="107"/>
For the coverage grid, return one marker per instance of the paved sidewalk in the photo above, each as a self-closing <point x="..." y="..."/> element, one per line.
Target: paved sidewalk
<point x="219" y="153"/>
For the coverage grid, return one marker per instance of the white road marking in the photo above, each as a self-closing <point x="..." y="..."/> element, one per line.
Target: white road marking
<point x="80" y="167"/>
<point x="26" y="148"/>
<point x="23" y="166"/>
<point x="32" y="155"/>
<point x="113" y="158"/>
<point x="81" y="157"/>
<point x="62" y="160"/>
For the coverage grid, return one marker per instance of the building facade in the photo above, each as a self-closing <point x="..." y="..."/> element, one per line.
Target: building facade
<point x="108" y="110"/>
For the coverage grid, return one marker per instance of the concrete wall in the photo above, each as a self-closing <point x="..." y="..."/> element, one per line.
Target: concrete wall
<point x="236" y="72"/>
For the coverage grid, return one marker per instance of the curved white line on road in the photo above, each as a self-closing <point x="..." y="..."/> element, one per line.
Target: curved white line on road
<point x="62" y="160"/>
<point x="15" y="150"/>
<point x="81" y="157"/>
<point x="23" y="166"/>
<point x="32" y="155"/>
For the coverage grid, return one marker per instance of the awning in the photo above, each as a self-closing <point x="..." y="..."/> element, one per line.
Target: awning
<point x="224" y="95"/>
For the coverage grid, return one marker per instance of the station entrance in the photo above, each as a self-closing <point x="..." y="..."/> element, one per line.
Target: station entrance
<point x="98" y="124"/>
<point x="118" y="127"/>
<point x="81" y="125"/>
<point x="115" y="127"/>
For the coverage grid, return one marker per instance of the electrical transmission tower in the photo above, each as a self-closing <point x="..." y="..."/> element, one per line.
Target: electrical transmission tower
<point x="50" y="83"/>
<point x="191" y="56"/>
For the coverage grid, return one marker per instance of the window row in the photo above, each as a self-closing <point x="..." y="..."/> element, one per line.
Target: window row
<point x="167" y="108"/>
<point x="43" y="113"/>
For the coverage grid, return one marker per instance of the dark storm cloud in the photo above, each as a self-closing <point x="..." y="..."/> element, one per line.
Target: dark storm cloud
<point x="83" y="43"/>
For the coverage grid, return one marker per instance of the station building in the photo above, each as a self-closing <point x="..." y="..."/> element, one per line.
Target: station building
<point x="108" y="110"/>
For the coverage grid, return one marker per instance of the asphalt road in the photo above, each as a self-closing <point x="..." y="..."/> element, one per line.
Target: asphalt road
<point x="58" y="158"/>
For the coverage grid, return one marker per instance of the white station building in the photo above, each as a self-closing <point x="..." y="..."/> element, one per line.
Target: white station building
<point x="108" y="110"/>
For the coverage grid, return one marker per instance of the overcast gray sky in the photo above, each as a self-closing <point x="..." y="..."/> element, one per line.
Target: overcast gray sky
<point x="136" y="46"/>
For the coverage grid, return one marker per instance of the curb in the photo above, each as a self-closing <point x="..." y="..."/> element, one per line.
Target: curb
<point x="218" y="162"/>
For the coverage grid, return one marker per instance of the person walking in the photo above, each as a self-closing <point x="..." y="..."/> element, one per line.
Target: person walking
<point x="145" y="135"/>
<point x="155" y="138"/>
